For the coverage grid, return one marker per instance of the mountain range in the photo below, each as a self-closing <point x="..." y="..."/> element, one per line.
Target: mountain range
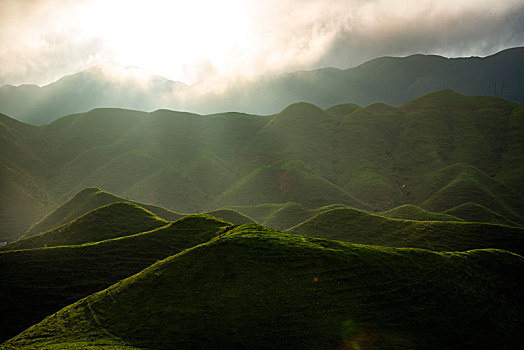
<point x="390" y="80"/>
<point x="443" y="152"/>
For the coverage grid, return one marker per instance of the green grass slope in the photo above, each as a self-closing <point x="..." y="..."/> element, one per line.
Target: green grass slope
<point x="285" y="181"/>
<point x="255" y="288"/>
<point x="231" y="215"/>
<point x="304" y="133"/>
<point x="281" y="216"/>
<point x="83" y="202"/>
<point x="297" y="128"/>
<point x="437" y="152"/>
<point x="278" y="216"/>
<point x="513" y="157"/>
<point x="183" y="194"/>
<point x="462" y="183"/>
<point x="363" y="155"/>
<point x="22" y="205"/>
<point x="475" y="212"/>
<point x="287" y="215"/>
<point x="352" y="225"/>
<point x="135" y="165"/>
<point x="413" y="212"/>
<point x="34" y="283"/>
<point x="110" y="221"/>
<point x="341" y="110"/>
<point x="23" y="193"/>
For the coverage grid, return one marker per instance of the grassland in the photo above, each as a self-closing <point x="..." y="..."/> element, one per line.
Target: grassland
<point x="352" y="225"/>
<point x="281" y="216"/>
<point x="437" y="152"/>
<point x="256" y="288"/>
<point x="35" y="283"/>
<point x="404" y="226"/>
<point x="475" y="212"/>
<point x="231" y="215"/>
<point x="89" y="199"/>
<point x="413" y="212"/>
<point x="106" y="222"/>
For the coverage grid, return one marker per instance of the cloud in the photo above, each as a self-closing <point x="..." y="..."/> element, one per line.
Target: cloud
<point x="40" y="43"/>
<point x="54" y="57"/>
<point x="345" y="33"/>
<point x="41" y="40"/>
<point x="453" y="31"/>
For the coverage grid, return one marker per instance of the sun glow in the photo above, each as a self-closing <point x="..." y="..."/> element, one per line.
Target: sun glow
<point x="182" y="40"/>
<point x="229" y="41"/>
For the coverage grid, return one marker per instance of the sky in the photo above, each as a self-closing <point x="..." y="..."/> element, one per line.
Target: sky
<point x="200" y="40"/>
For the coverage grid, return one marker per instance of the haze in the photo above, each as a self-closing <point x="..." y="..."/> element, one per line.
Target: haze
<point x="205" y="40"/>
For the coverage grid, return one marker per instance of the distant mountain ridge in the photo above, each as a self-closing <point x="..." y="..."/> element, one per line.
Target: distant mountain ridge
<point x="390" y="80"/>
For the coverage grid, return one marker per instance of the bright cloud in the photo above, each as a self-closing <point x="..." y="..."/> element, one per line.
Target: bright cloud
<point x="41" y="40"/>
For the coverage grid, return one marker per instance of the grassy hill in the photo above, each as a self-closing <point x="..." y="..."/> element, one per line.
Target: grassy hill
<point x="437" y="152"/>
<point x="352" y="225"/>
<point x="413" y="212"/>
<point x="388" y="156"/>
<point x="285" y="181"/>
<point x="23" y="193"/>
<point x="106" y="222"/>
<point x="85" y="201"/>
<point x="231" y="215"/>
<point x="342" y="110"/>
<point x="19" y="193"/>
<point x="463" y="183"/>
<point x="474" y="212"/>
<point x="257" y="288"/>
<point x="281" y="216"/>
<point x="35" y="283"/>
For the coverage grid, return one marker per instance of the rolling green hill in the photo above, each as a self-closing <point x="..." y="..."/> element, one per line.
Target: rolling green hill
<point x="281" y="216"/>
<point x="474" y="212"/>
<point x="387" y="156"/>
<point x="35" y="283"/>
<point x="285" y="181"/>
<point x="257" y="288"/>
<point x="342" y="110"/>
<point x="437" y="152"/>
<point x="106" y="222"/>
<point x="85" y="201"/>
<point x="23" y="193"/>
<point x="463" y="183"/>
<point x="356" y="226"/>
<point x="412" y="212"/>
<point x="231" y="215"/>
